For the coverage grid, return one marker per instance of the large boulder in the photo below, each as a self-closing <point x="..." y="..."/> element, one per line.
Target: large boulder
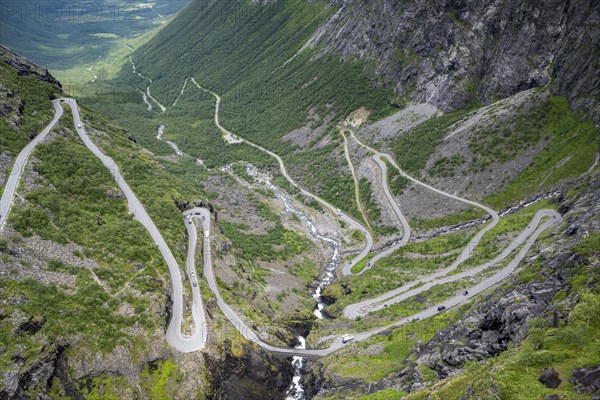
<point x="586" y="379"/>
<point x="550" y="378"/>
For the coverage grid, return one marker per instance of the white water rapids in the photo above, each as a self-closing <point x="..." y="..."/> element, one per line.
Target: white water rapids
<point x="296" y="391"/>
<point x="159" y="133"/>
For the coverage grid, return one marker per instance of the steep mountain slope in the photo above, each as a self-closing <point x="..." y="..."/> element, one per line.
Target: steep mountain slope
<point x="84" y="295"/>
<point x="449" y="52"/>
<point x="545" y="317"/>
<point x="26" y="92"/>
<point x="302" y="79"/>
<point x="294" y="70"/>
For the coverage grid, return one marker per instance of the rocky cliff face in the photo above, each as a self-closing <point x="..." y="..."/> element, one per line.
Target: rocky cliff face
<point x="247" y="373"/>
<point x="448" y="53"/>
<point x="504" y="317"/>
<point x="26" y="67"/>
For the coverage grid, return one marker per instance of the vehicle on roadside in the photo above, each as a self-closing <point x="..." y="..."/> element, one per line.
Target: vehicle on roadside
<point x="415" y="319"/>
<point x="347" y="338"/>
<point x="441" y="308"/>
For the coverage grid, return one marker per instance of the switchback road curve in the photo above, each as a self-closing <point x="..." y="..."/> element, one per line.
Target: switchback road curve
<point x="542" y="221"/>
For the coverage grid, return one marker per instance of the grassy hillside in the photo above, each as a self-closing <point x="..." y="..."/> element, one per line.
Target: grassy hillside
<point x="26" y="107"/>
<point x="74" y="217"/>
<point x="238" y="50"/>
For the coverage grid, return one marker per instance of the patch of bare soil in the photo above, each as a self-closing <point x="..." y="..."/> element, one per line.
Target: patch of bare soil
<point x="418" y="203"/>
<point x="6" y="164"/>
<point x="398" y="124"/>
<point x="474" y="183"/>
<point x="357" y="117"/>
<point x="314" y="129"/>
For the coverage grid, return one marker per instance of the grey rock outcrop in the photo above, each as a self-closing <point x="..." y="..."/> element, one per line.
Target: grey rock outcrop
<point x="586" y="379"/>
<point x="550" y="378"/>
<point x="26" y="67"/>
<point x="447" y="53"/>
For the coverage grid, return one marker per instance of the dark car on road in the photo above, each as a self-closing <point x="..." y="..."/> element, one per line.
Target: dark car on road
<point x="441" y="308"/>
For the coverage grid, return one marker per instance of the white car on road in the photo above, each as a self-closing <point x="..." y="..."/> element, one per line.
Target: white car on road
<point x="347" y="338"/>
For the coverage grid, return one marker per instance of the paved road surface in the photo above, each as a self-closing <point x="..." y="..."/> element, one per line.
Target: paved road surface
<point x="174" y="336"/>
<point x="198" y="340"/>
<point x="233" y="139"/>
<point x="526" y="238"/>
<point x="533" y="230"/>
<point x="15" y="174"/>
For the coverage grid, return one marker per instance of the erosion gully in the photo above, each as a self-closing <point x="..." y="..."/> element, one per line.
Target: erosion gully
<point x="296" y="391"/>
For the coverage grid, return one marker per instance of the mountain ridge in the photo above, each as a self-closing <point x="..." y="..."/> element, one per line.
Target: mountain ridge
<point x="447" y="53"/>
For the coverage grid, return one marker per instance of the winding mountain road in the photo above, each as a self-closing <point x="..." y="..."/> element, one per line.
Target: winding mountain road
<point x="438" y="278"/>
<point x="533" y="230"/>
<point x="233" y="139"/>
<point x="542" y="221"/>
<point x="12" y="182"/>
<point x="356" y="184"/>
<point x="173" y="335"/>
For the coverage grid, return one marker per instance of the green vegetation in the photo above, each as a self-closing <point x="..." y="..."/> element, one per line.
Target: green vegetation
<point x="425" y="299"/>
<point x="261" y="102"/>
<point x="387" y="274"/>
<point x="156" y="184"/>
<point x="277" y="244"/>
<point x="85" y="208"/>
<point x="160" y="379"/>
<point x="88" y="313"/>
<point x="587" y="247"/>
<point x="571" y="143"/>
<point x="413" y="149"/>
<point x="104" y="387"/>
<point x="359" y="266"/>
<point x="445" y="166"/>
<point x="396" y="182"/>
<point x="307" y="270"/>
<point x="366" y="197"/>
<point x="320" y="173"/>
<point x="470" y="214"/>
<point x="495" y="240"/>
<point x="28" y="107"/>
<point x="513" y="374"/>
<point x="385" y="394"/>
<point x="438" y="245"/>
<point x="389" y="352"/>
<point x="574" y="343"/>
